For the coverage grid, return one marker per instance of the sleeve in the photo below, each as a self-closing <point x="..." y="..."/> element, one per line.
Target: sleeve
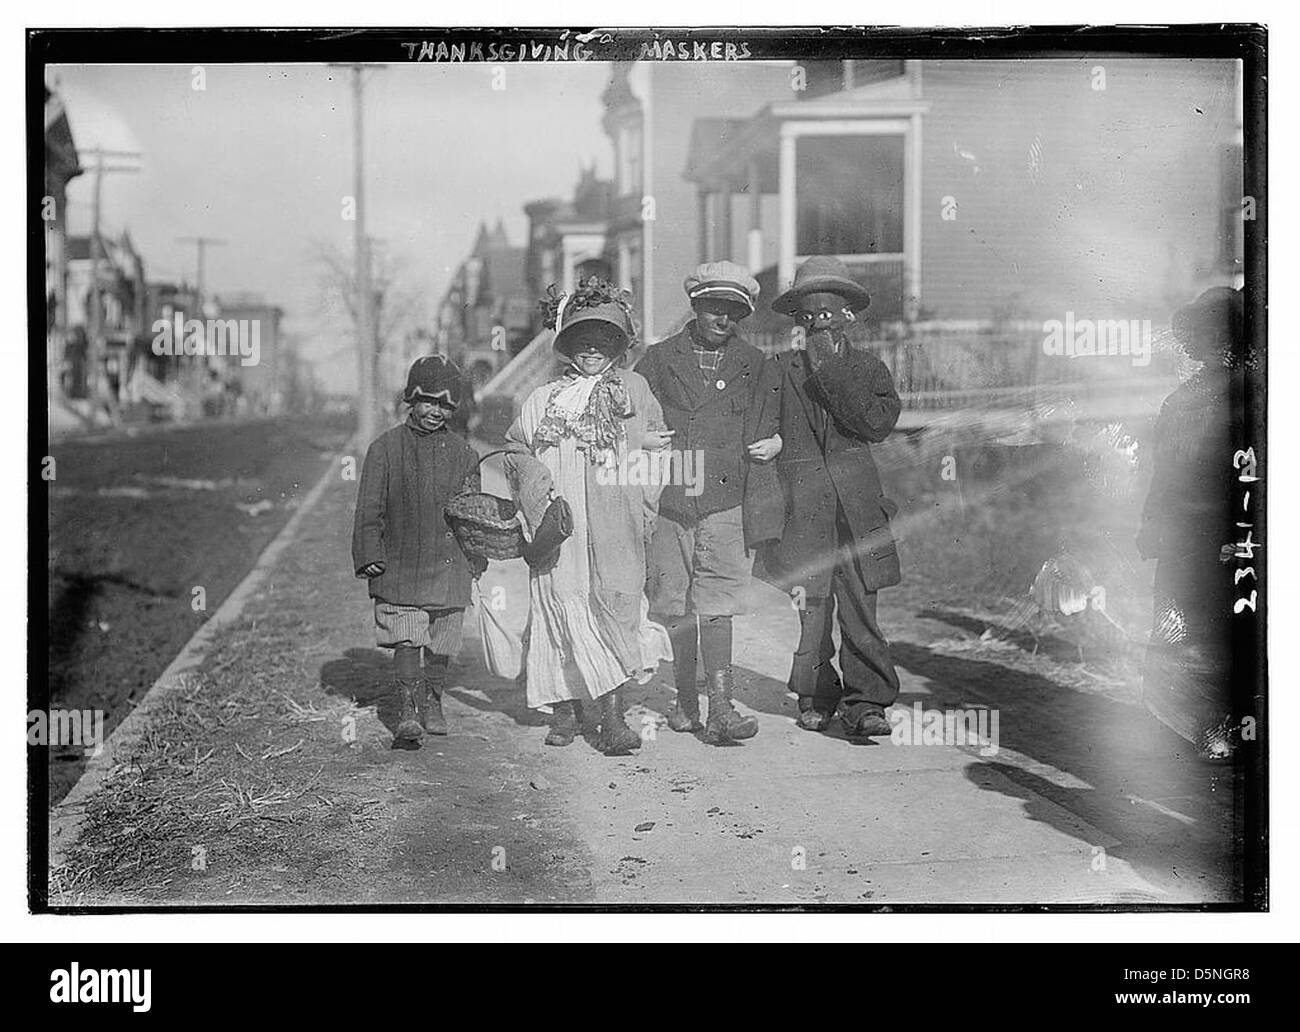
<point x="764" y="418"/>
<point x="652" y="418"/>
<point x="1152" y="531"/>
<point x="648" y="367"/>
<point x="471" y="480"/>
<point x="530" y="481"/>
<point x="368" y="525"/>
<point x="859" y="394"/>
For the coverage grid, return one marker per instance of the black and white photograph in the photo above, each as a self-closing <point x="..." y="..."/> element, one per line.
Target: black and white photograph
<point x="684" y="468"/>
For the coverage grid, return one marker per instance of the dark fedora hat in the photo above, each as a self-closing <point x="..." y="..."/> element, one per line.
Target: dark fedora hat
<point x="822" y="274"/>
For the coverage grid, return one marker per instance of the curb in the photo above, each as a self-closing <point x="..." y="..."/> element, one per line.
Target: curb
<point x="66" y="817"/>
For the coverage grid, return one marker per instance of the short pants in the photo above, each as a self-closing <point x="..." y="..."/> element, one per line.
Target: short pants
<point x="429" y="627"/>
<point x="699" y="568"/>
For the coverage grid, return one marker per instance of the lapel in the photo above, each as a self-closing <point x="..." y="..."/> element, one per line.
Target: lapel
<point x="815" y="414"/>
<point x="732" y="366"/>
<point x="686" y="368"/>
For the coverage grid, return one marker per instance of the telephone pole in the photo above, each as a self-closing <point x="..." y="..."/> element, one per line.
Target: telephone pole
<point x="95" y="335"/>
<point x="364" y="302"/>
<point x="199" y="363"/>
<point x="201" y="245"/>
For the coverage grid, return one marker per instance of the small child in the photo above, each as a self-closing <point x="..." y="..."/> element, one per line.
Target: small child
<point x="417" y="573"/>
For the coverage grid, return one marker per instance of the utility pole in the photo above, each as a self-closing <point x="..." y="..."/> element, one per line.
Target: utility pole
<point x="95" y="334"/>
<point x="364" y="302"/>
<point x="201" y="245"/>
<point x="200" y="362"/>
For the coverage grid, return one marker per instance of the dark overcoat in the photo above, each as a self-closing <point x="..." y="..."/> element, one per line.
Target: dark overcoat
<point x="406" y="482"/>
<point x="829" y="419"/>
<point x="717" y="414"/>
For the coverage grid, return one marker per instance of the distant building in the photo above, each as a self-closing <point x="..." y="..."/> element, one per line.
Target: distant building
<point x="485" y="316"/>
<point x="656" y="212"/>
<point x="568" y="240"/>
<point x="258" y="387"/>
<point x="62" y="165"/>
<point x="107" y="309"/>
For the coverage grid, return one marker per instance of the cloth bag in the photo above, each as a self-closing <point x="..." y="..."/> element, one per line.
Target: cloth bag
<point x="502" y="648"/>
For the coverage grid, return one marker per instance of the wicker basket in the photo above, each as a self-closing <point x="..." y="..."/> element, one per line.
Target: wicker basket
<point x="486" y="526"/>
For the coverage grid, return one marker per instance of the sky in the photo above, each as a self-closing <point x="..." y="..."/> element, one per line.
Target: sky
<point x="262" y="159"/>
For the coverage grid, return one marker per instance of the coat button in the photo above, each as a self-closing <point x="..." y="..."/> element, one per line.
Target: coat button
<point x="447" y="560"/>
<point x="721" y="385"/>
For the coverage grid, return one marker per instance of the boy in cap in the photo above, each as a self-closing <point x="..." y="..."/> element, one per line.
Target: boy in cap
<point x="836" y="551"/>
<point x="418" y="576"/>
<point x="718" y="397"/>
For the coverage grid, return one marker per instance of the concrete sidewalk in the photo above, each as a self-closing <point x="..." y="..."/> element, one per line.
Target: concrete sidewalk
<point x="274" y="768"/>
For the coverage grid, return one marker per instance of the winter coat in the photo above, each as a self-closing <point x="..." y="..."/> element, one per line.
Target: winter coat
<point x="717" y="423"/>
<point x="406" y="482"/>
<point x="828" y="421"/>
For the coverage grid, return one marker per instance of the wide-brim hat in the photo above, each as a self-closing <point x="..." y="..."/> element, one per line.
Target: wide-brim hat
<point x="611" y="314"/>
<point x="1218" y="310"/>
<point x="822" y="275"/>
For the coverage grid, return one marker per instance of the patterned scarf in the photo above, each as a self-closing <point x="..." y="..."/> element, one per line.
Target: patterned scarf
<point x="590" y="409"/>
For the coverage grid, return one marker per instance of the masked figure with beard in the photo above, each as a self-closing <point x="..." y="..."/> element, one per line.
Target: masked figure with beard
<point x="418" y="576"/>
<point x="719" y="397"/>
<point x="836" y="550"/>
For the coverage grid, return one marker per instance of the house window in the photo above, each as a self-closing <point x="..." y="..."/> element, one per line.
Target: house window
<point x="849" y="195"/>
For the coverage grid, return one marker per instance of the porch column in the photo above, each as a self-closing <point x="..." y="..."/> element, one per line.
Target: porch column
<point x="785" y="263"/>
<point x="702" y="223"/>
<point x="912" y="222"/>
<point x="724" y="223"/>
<point x="566" y="264"/>
<point x="754" y="239"/>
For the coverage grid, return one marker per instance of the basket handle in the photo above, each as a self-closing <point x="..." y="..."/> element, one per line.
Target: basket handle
<point x="484" y="458"/>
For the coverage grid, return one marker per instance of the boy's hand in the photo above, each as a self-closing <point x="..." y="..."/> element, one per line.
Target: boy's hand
<point x="371" y="570"/>
<point x="477" y="565"/>
<point x="822" y="346"/>
<point x="657" y="440"/>
<point x="767" y="449"/>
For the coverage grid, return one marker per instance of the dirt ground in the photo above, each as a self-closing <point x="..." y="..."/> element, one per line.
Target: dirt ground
<point x="137" y="522"/>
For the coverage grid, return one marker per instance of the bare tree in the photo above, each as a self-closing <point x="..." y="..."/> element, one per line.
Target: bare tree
<point x="399" y="303"/>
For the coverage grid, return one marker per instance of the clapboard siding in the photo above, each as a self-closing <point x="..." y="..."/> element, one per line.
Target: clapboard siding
<point x="1103" y="202"/>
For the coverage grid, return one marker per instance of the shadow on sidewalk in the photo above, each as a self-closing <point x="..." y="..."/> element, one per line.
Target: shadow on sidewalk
<point x="366" y="677"/>
<point x="1118" y="762"/>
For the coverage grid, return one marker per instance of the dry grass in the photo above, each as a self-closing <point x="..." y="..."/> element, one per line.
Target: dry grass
<point x="196" y="786"/>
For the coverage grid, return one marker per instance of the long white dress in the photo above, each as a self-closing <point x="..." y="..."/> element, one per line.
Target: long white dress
<point x="588" y="630"/>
